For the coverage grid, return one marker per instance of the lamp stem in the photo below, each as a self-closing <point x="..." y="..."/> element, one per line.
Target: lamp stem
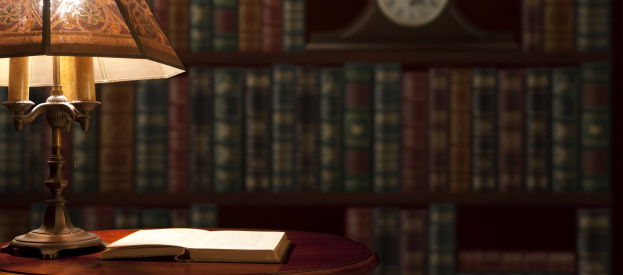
<point x="56" y="76"/>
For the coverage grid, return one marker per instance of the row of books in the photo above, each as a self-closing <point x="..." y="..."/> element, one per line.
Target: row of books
<point x="233" y="25"/>
<point x="566" y="25"/>
<point x="423" y="241"/>
<point x="108" y="217"/>
<point x="359" y="128"/>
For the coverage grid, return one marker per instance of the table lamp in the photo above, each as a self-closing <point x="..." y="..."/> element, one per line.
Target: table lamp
<point x="71" y="45"/>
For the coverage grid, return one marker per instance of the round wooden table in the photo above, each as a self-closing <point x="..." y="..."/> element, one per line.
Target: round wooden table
<point x="310" y="253"/>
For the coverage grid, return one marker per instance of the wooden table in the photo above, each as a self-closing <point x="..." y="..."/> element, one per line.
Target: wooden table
<point x="310" y="253"/>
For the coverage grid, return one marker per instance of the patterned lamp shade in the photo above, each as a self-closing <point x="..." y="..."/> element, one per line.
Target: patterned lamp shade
<point x="123" y="36"/>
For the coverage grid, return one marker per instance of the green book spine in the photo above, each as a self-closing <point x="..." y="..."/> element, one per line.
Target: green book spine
<point x="225" y="25"/>
<point x="484" y="130"/>
<point x="307" y="117"/>
<point x="386" y="156"/>
<point x="203" y="215"/>
<point x="596" y="127"/>
<point x="151" y="136"/>
<point x="127" y="218"/>
<point x="10" y="151"/>
<point x="594" y="241"/>
<point x="200" y="147"/>
<point x="283" y="128"/>
<point x="538" y="110"/>
<point x="257" y="128"/>
<point x="293" y="25"/>
<point x="200" y="26"/>
<point x="386" y="239"/>
<point x="228" y="123"/>
<point x="593" y="25"/>
<point x="442" y="239"/>
<point x="331" y="102"/>
<point x="565" y="127"/>
<point x="155" y="218"/>
<point x="84" y="175"/>
<point x="357" y="127"/>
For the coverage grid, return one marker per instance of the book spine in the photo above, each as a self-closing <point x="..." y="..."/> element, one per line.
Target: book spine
<point x="180" y="218"/>
<point x="511" y="261"/>
<point x="151" y="136"/>
<point x="257" y="122"/>
<point x="228" y="127"/>
<point x="596" y="127"/>
<point x="357" y="127"/>
<point x="84" y="175"/>
<point x="225" y="29"/>
<point x="460" y="130"/>
<point x="160" y="9"/>
<point x="200" y="147"/>
<point x="331" y="102"/>
<point x="33" y="160"/>
<point x="249" y="25"/>
<point x="414" y="149"/>
<point x="179" y="24"/>
<point x="155" y="218"/>
<point x="98" y="218"/>
<point x="439" y="128"/>
<point x="272" y="25"/>
<point x="484" y="130"/>
<point x="359" y="225"/>
<point x="386" y="239"/>
<point x="413" y="241"/>
<point x="307" y="116"/>
<point x="565" y="127"/>
<point x="10" y="151"/>
<point x="386" y="110"/>
<point x="470" y="261"/>
<point x="538" y="110"/>
<point x="532" y="25"/>
<point x="559" y="25"/>
<point x="116" y="137"/>
<point x="283" y="128"/>
<point x="200" y="25"/>
<point x="127" y="218"/>
<point x="293" y="25"/>
<point x="203" y="215"/>
<point x="594" y="241"/>
<point x="534" y="261"/>
<point x="593" y="25"/>
<point x="442" y="239"/>
<point x="178" y="135"/>
<point x="511" y="130"/>
<point x="561" y="261"/>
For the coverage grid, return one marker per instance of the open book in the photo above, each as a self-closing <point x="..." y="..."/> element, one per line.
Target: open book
<point x="201" y="245"/>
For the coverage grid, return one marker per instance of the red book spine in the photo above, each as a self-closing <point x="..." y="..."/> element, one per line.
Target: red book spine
<point x="414" y="132"/>
<point x="272" y="25"/>
<point x="511" y="261"/>
<point x="439" y="128"/>
<point x="511" y="130"/>
<point x="414" y="241"/>
<point x="179" y="24"/>
<point x="471" y="261"/>
<point x="492" y="261"/>
<point x="116" y="137"/>
<point x="249" y="25"/>
<point x="460" y="130"/>
<point x="98" y="218"/>
<point x="561" y="261"/>
<point x="532" y="21"/>
<point x="359" y="225"/>
<point x="178" y="135"/>
<point x="534" y="261"/>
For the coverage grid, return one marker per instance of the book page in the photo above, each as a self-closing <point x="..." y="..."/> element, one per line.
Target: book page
<point x="240" y="240"/>
<point x="173" y="237"/>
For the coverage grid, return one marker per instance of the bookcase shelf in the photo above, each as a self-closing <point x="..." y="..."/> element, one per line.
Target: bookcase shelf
<point x="329" y="199"/>
<point x="497" y="58"/>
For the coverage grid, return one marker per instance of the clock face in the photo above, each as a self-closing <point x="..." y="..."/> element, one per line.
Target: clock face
<point x="412" y="13"/>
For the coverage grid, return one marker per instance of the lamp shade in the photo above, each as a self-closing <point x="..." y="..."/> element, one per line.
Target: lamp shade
<point x="123" y="36"/>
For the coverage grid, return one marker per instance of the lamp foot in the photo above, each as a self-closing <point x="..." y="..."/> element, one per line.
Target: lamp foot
<point x="49" y="245"/>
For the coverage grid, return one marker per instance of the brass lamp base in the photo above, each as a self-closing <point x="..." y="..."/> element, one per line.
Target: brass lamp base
<point x="49" y="245"/>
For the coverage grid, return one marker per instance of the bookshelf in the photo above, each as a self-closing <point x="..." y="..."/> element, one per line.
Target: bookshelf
<point x="324" y="212"/>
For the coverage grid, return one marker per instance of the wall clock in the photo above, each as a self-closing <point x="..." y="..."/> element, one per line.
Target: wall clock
<point x="412" y="24"/>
